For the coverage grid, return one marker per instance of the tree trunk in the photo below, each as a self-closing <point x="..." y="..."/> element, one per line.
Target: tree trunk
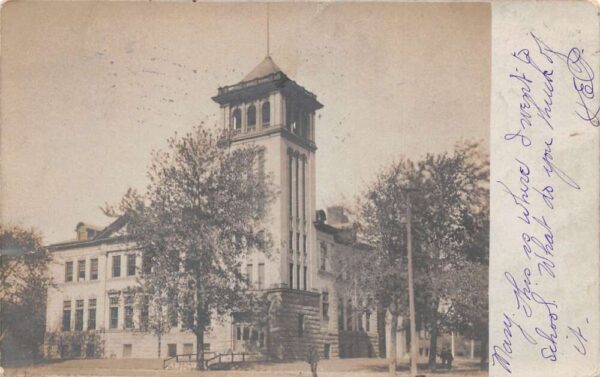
<point x="393" y="345"/>
<point x="433" y="343"/>
<point x="200" y="349"/>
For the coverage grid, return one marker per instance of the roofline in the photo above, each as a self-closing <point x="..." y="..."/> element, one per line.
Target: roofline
<point x="87" y="243"/>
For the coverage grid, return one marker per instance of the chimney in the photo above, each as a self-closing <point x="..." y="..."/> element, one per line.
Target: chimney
<point x="336" y="217"/>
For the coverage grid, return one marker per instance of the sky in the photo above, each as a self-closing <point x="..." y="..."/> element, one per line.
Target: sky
<point x="89" y="89"/>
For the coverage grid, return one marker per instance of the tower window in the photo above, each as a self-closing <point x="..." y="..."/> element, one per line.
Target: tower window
<point x="266" y="113"/>
<point x="251" y="116"/>
<point x="236" y="120"/>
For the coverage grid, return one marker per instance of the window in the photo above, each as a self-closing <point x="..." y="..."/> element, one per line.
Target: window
<point x="236" y="120"/>
<point x="66" y="323"/>
<point x="69" y="271"/>
<point x="76" y="348"/>
<point x="251" y="116"/>
<point x="266" y="113"/>
<point x="298" y="242"/>
<point x="129" y="311"/>
<point x="290" y="175"/>
<point x="304" y="245"/>
<point x="127" y="350"/>
<point x="261" y="275"/>
<point x="188" y="348"/>
<point x="325" y="303"/>
<point x="300" y="325"/>
<point x="81" y="270"/>
<point x="246" y="333"/>
<point x="291" y="241"/>
<point x="359" y="319"/>
<point x="249" y="274"/>
<point x="297" y="196"/>
<point x="171" y="350"/>
<point x="92" y="314"/>
<point x="349" y="315"/>
<point x="305" y="277"/>
<point x="144" y="313"/>
<point x="340" y="315"/>
<point x="323" y="256"/>
<point x="131" y="265"/>
<point x="146" y="264"/>
<point x="116" y="266"/>
<point x="206" y="347"/>
<point x="239" y="333"/>
<point x="298" y="277"/>
<point x="90" y="350"/>
<point x="114" y="312"/>
<point x="368" y="321"/>
<point x="291" y="275"/>
<point x="79" y="315"/>
<point x="94" y="269"/>
<point x="303" y="189"/>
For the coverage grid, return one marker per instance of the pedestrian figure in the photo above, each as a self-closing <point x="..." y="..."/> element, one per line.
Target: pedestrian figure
<point x="443" y="355"/>
<point x="450" y="358"/>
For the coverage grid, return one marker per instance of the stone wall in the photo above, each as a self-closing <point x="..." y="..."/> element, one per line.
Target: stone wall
<point x="288" y="306"/>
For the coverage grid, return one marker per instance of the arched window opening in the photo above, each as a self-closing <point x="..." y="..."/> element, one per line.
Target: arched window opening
<point x="266" y="113"/>
<point x="236" y="119"/>
<point x="251" y="116"/>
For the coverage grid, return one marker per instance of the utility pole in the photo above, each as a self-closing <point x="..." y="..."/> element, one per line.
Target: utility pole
<point x="414" y="338"/>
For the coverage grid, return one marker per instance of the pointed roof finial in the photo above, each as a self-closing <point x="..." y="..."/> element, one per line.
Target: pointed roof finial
<point x="268" y="52"/>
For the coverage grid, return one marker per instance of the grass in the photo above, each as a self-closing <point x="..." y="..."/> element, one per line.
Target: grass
<point x="153" y="367"/>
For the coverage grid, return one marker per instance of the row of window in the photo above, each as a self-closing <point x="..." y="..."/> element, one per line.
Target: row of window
<point x="294" y="179"/>
<point x="81" y="270"/>
<point x="79" y="325"/>
<point x="291" y="242"/>
<point x="116" y="268"/>
<point x="114" y="307"/>
<point x="301" y="271"/>
<point x="349" y="320"/>
<point x="251" y="116"/>
<point x="259" y="284"/>
<point x="249" y="333"/>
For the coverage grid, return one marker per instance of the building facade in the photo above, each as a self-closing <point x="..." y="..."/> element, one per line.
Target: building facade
<point x="93" y="312"/>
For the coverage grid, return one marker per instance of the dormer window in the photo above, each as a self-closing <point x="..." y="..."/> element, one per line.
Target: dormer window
<point x="236" y="120"/>
<point x="266" y="113"/>
<point x="251" y="116"/>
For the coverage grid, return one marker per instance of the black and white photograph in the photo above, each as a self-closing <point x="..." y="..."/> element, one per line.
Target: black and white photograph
<point x="245" y="189"/>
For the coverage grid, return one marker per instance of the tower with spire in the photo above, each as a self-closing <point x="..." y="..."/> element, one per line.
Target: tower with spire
<point x="268" y="109"/>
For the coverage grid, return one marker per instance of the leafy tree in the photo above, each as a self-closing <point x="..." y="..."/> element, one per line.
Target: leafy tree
<point x="448" y="196"/>
<point x="450" y="213"/>
<point x="24" y="281"/>
<point x="203" y="211"/>
<point x="382" y="224"/>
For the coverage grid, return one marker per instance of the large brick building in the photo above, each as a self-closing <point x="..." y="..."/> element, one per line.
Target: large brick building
<point x="92" y="311"/>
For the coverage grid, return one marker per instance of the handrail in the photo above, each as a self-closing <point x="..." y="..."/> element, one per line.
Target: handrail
<point x="189" y="356"/>
<point x="229" y="357"/>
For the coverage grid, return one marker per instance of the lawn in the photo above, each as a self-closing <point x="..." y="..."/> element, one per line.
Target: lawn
<point x="327" y="368"/>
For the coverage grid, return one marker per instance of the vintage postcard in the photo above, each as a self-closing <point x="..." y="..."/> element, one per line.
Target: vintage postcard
<point x="299" y="188"/>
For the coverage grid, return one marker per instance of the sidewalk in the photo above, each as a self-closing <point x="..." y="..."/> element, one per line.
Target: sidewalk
<point x="327" y="368"/>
